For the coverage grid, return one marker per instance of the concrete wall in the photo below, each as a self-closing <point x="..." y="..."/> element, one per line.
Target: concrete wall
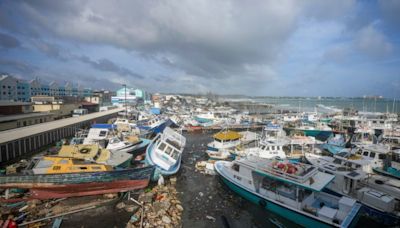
<point x="58" y="110"/>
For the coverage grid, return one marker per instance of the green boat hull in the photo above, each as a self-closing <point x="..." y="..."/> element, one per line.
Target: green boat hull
<point x="276" y="208"/>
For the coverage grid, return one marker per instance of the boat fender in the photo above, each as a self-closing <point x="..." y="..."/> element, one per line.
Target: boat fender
<point x="262" y="203"/>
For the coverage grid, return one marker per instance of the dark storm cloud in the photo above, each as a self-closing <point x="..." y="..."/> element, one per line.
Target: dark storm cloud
<point x="51" y="50"/>
<point x="213" y="39"/>
<point x="7" y="41"/>
<point x="204" y="44"/>
<point x="19" y="66"/>
<point x="109" y="66"/>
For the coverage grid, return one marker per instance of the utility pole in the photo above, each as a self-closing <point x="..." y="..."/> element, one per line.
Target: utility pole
<point x="126" y="106"/>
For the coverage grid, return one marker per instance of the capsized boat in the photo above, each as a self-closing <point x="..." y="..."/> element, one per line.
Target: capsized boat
<point x="335" y="143"/>
<point x="56" y="165"/>
<point x="165" y="152"/>
<point x="49" y="186"/>
<point x="292" y="190"/>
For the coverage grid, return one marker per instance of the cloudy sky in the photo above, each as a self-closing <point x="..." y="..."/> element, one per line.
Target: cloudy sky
<point x="288" y="47"/>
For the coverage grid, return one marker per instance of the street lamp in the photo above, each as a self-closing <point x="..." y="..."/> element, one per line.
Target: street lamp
<point x="126" y="107"/>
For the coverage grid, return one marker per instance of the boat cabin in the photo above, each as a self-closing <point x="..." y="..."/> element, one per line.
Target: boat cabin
<point x="57" y="165"/>
<point x="88" y="152"/>
<point x="168" y="149"/>
<point x="225" y="139"/>
<point x="268" y="149"/>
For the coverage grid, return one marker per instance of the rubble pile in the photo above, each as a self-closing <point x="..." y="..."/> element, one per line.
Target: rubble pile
<point x="160" y="207"/>
<point x="205" y="167"/>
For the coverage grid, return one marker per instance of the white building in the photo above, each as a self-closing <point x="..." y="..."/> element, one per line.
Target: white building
<point x="8" y="87"/>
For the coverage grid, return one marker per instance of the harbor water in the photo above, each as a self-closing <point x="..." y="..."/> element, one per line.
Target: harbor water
<point x="309" y="103"/>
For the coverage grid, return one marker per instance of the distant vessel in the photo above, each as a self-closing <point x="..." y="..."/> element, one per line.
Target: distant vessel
<point x="292" y="190"/>
<point x="223" y="141"/>
<point x="165" y="152"/>
<point x="153" y="125"/>
<point x="319" y="130"/>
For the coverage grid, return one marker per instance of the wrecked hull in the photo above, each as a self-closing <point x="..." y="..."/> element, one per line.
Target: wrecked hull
<point x="74" y="190"/>
<point x="48" y="186"/>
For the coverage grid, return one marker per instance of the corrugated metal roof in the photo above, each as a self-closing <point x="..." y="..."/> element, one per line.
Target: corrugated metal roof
<point x="14" y="134"/>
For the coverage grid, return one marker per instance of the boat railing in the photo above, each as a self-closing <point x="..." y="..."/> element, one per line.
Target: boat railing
<point x="301" y="178"/>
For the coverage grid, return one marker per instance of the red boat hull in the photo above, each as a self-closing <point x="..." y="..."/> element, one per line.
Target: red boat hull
<point x="94" y="188"/>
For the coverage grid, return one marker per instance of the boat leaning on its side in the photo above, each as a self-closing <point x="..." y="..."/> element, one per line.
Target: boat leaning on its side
<point x="165" y="152"/>
<point x="48" y="186"/>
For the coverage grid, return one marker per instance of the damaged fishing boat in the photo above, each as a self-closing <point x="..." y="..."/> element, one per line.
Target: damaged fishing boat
<point x="63" y="185"/>
<point x="290" y="189"/>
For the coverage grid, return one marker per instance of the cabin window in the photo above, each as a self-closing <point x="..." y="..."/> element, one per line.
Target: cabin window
<point x="218" y="140"/>
<point x="175" y="155"/>
<point x="372" y="154"/>
<point x="273" y="148"/>
<point x="102" y="133"/>
<point x="168" y="150"/>
<point x="57" y="167"/>
<point x="382" y="156"/>
<point x="236" y="167"/>
<point x="365" y="153"/>
<point x="277" y="148"/>
<point x="267" y="148"/>
<point x="337" y="161"/>
<point x="83" y="168"/>
<point x="162" y="146"/>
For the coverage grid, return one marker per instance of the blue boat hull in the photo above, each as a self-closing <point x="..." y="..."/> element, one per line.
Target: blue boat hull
<point x="203" y="120"/>
<point x="333" y="149"/>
